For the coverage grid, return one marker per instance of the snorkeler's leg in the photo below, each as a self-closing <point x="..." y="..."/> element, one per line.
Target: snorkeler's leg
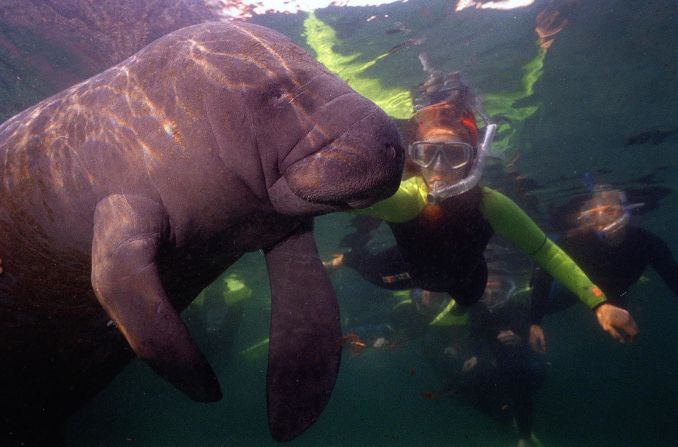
<point x="526" y="372"/>
<point x="355" y="242"/>
<point x="468" y="287"/>
<point x="364" y="226"/>
<point x="523" y="407"/>
<point x="386" y="269"/>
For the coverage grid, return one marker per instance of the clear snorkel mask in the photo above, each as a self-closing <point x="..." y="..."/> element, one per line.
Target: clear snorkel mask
<point x="608" y="213"/>
<point x="498" y="291"/>
<point x="438" y="193"/>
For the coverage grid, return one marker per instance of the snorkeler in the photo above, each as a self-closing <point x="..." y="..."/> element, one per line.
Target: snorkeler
<point x="442" y="219"/>
<point x="611" y="250"/>
<point x="504" y="373"/>
<point x="481" y="353"/>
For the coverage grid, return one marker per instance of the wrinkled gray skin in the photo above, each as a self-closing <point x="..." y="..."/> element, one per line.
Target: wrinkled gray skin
<point x="125" y="195"/>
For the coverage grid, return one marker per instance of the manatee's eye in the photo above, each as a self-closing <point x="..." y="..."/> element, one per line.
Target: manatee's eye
<point x="391" y="152"/>
<point x="277" y="96"/>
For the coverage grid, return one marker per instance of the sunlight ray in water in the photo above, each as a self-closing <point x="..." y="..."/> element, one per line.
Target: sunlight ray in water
<point x="248" y="8"/>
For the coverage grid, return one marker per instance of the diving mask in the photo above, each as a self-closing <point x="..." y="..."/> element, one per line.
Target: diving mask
<point x="498" y="291"/>
<point x="453" y="154"/>
<point x="607" y="214"/>
<point x="456" y="155"/>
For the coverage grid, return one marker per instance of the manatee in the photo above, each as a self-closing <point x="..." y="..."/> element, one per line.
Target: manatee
<point x="123" y="196"/>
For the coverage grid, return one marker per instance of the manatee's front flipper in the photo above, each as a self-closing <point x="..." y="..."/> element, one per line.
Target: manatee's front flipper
<point x="305" y="336"/>
<point x="128" y="230"/>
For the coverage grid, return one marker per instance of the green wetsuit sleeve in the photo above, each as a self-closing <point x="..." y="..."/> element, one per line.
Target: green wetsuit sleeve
<point x="403" y="206"/>
<point x="510" y="221"/>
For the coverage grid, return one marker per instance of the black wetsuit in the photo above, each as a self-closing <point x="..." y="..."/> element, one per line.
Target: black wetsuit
<point x="440" y="250"/>
<point x="505" y="379"/>
<point x="613" y="268"/>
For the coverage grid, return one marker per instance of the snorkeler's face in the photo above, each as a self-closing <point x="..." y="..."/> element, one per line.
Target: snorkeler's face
<point x="607" y="220"/>
<point x="444" y="158"/>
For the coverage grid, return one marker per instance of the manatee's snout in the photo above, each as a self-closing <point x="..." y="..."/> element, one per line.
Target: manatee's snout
<point x="355" y="169"/>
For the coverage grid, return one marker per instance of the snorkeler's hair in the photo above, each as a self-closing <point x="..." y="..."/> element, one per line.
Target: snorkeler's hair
<point x="446" y="101"/>
<point x="603" y="187"/>
<point x="440" y="87"/>
<point x="602" y="193"/>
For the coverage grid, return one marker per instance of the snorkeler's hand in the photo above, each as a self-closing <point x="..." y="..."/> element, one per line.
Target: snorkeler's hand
<point x="617" y="322"/>
<point x="537" y="339"/>
<point x="334" y="263"/>
<point x="469" y="364"/>
<point x="508" y="338"/>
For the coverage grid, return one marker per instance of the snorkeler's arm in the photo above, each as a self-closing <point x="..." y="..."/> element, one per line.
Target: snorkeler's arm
<point x="662" y="260"/>
<point x="539" y="297"/>
<point x="403" y="206"/>
<point x="510" y="221"/>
